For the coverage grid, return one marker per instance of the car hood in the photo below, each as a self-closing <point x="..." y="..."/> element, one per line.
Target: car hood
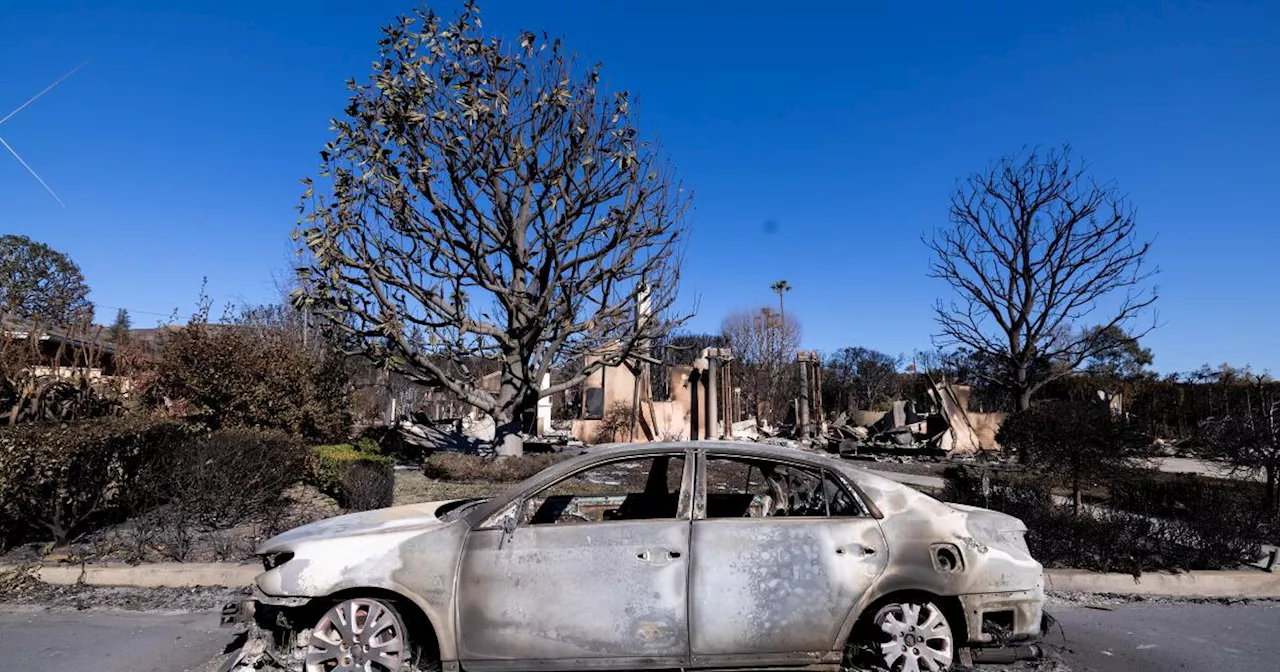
<point x="379" y="521"/>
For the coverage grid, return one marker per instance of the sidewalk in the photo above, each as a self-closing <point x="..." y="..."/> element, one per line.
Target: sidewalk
<point x="1200" y="584"/>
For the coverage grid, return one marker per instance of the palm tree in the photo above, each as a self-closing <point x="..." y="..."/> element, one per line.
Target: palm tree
<point x="780" y="287"/>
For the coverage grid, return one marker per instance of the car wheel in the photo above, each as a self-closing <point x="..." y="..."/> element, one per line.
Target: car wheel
<point x="914" y="636"/>
<point x="360" y="634"/>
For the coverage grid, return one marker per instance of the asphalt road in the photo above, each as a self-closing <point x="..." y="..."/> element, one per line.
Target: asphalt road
<point x="109" y="641"/>
<point x="1127" y="637"/>
<point x="1142" y="636"/>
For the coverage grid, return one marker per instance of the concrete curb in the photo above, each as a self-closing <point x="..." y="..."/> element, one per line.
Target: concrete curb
<point x="1206" y="584"/>
<point x="1202" y="584"/>
<point x="153" y="575"/>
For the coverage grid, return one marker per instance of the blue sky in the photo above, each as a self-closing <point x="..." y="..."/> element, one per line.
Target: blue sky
<point x="821" y="140"/>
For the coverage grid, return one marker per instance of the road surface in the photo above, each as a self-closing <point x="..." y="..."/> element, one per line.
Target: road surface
<point x="1128" y="637"/>
<point x="1142" y="636"/>
<point x="35" y="640"/>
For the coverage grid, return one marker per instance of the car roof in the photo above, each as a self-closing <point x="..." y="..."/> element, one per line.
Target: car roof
<point x="875" y="487"/>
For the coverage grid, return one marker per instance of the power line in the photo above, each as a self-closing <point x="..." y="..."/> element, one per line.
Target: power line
<point x="132" y="310"/>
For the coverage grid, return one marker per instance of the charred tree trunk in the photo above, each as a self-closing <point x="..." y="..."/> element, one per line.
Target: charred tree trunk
<point x="1271" y="488"/>
<point x="1077" y="502"/>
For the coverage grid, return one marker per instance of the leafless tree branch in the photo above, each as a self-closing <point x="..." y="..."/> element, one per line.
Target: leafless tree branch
<point x="493" y="197"/>
<point x="1046" y="266"/>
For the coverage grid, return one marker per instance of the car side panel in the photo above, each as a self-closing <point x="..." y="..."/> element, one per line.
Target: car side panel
<point x="567" y="596"/>
<point x="991" y="569"/>
<point x="418" y="565"/>
<point x="778" y="585"/>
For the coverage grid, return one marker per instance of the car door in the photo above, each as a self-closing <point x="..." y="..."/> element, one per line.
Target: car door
<point x="781" y="553"/>
<point x="591" y="571"/>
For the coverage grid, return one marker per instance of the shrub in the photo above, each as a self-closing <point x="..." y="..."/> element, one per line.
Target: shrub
<point x="214" y="482"/>
<point x="466" y="467"/>
<point x="359" y="480"/>
<point x="389" y="441"/>
<point x="615" y="424"/>
<point x="62" y="480"/>
<point x="1076" y="444"/>
<point x="1212" y="518"/>
<point x="1214" y="532"/>
<point x="1013" y="493"/>
<point x="229" y="476"/>
<point x="262" y="371"/>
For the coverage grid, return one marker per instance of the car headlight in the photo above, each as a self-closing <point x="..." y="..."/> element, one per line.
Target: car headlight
<point x="272" y="560"/>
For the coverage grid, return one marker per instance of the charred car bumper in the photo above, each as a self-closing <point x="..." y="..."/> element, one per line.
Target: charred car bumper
<point x="1004" y="618"/>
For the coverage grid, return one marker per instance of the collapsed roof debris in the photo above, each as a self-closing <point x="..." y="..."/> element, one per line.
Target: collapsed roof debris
<point x="939" y="425"/>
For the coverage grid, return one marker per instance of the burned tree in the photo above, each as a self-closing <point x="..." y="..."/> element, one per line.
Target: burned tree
<point x="1248" y="440"/>
<point x="1037" y="252"/>
<point x="765" y="344"/>
<point x="491" y="195"/>
<point x="1076" y="444"/>
<point x="51" y="374"/>
<point x="860" y="378"/>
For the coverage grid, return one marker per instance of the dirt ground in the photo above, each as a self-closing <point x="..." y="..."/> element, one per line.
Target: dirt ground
<point x="79" y="598"/>
<point x="413" y="487"/>
<point x="915" y="467"/>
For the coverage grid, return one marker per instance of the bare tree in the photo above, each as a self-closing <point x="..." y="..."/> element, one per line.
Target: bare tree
<point x="1076" y="443"/>
<point x="860" y="378"/>
<point x="51" y="374"/>
<point x="1046" y="266"/>
<point x="492" y="196"/>
<point x="1248" y="440"/>
<point x="764" y="344"/>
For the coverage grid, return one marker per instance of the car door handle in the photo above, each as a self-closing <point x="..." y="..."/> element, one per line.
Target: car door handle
<point x="658" y="556"/>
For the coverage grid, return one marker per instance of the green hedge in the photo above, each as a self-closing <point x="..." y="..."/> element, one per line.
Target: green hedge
<point x="359" y="479"/>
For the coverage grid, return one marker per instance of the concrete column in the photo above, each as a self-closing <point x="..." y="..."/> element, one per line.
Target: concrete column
<point x="802" y="417"/>
<point x="698" y="399"/>
<point x="713" y="391"/>
<point x="543" y="424"/>
<point x="726" y="387"/>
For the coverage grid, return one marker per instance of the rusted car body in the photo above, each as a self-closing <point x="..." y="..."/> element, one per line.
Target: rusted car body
<point x="732" y="555"/>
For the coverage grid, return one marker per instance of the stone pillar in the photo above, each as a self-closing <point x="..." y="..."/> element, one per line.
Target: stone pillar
<point x="713" y="391"/>
<point x="543" y="424"/>
<point x="698" y="400"/>
<point x="802" y="417"/>
<point x="726" y="389"/>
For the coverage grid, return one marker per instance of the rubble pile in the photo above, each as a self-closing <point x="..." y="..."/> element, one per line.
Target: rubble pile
<point x="936" y="426"/>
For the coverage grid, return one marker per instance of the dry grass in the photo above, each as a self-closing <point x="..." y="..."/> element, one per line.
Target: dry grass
<point x="413" y="487"/>
<point x="465" y="468"/>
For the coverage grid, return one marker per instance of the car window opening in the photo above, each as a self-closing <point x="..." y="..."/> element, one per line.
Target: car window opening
<point x="780" y="490"/>
<point x="637" y="489"/>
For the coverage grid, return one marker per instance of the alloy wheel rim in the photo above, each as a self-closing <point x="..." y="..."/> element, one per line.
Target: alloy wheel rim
<point x="358" y="635"/>
<point x="919" y="638"/>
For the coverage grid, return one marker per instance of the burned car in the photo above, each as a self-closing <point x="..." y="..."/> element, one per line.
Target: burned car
<point x="643" y="556"/>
